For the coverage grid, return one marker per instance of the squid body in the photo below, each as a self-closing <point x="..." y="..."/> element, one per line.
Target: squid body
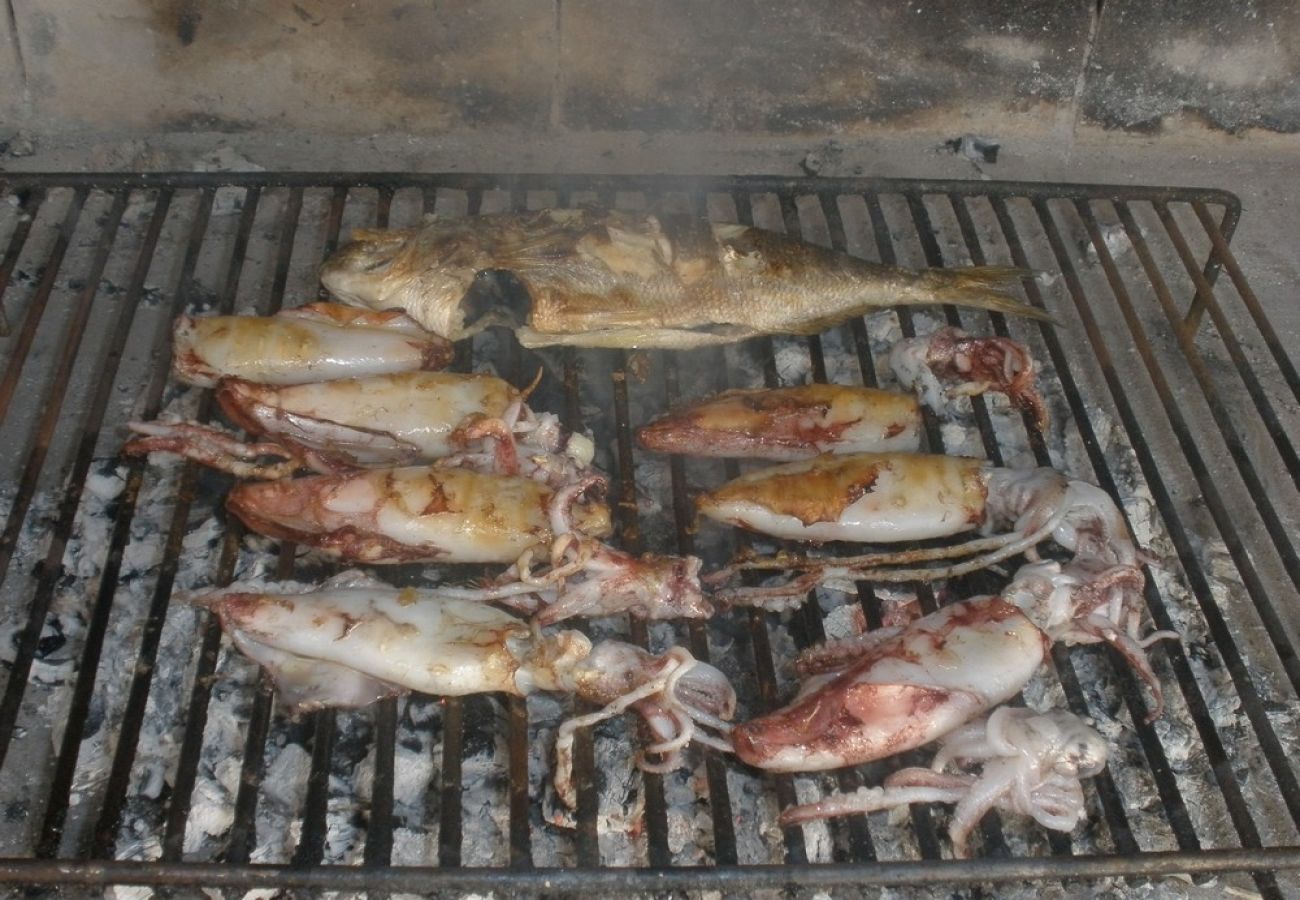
<point x="317" y="342"/>
<point x="417" y="514"/>
<point x="349" y="646"/>
<point x="373" y="422"/>
<point x="898" y="688"/>
<point x="794" y="423"/>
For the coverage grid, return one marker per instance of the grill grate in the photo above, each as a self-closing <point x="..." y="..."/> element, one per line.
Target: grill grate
<point x="1168" y="387"/>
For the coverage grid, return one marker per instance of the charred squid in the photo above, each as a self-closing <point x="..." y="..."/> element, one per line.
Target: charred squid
<point x="1030" y="763"/>
<point x="795" y="423"/>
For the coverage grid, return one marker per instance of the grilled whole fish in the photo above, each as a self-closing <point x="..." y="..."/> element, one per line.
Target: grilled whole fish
<point x="600" y="278"/>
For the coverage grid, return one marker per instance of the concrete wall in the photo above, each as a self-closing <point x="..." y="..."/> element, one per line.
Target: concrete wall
<point x="696" y="66"/>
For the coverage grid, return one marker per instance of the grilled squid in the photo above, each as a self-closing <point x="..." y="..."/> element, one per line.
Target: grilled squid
<point x="951" y="363"/>
<point x="478" y="421"/>
<point x="586" y="577"/>
<point x="419" y="514"/>
<point x="788" y="423"/>
<point x="794" y="423"/>
<point x="890" y="498"/>
<point x="317" y="342"/>
<point x="895" y="689"/>
<point x="1030" y="763"/>
<point x="351" y="646"/>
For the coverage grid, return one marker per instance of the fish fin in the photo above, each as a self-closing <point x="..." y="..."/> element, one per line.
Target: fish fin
<point x="636" y="338"/>
<point x="981" y="276"/>
<point x="977" y="287"/>
<point x="384" y="236"/>
<point x="545" y="248"/>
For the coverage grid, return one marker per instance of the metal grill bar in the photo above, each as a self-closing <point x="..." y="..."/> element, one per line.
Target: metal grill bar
<point x="1099" y="295"/>
<point x="1072" y="392"/>
<point x="243" y="829"/>
<point x="124" y="757"/>
<point x="37" y="455"/>
<point x="453" y="718"/>
<point x="52" y="826"/>
<point x="795" y="851"/>
<point x="29" y="206"/>
<point x="379" y="834"/>
<point x="323" y="724"/>
<point x="424" y="879"/>
<point x="1205" y="293"/>
<point x="994" y="840"/>
<point x="926" y="833"/>
<point x="861" y="846"/>
<point x="178" y="813"/>
<point x="1219" y="237"/>
<point x="1250" y="836"/>
<point x="35" y="309"/>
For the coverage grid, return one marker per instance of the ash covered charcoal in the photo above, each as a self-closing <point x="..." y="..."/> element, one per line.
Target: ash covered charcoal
<point x="620" y="787"/>
<point x="485" y="821"/>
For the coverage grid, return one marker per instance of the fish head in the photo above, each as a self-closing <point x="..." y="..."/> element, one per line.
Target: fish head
<point x="356" y="272"/>
<point x="443" y="276"/>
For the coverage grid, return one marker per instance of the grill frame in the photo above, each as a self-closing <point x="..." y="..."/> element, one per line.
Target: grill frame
<point x="587" y="875"/>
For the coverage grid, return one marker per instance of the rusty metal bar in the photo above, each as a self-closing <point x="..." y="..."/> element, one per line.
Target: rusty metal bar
<point x="603" y="881"/>
<point x="1219" y="236"/>
<point x="29" y="206"/>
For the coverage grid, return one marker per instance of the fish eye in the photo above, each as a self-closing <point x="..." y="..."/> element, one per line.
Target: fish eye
<point x="496" y="297"/>
<point x="374" y="263"/>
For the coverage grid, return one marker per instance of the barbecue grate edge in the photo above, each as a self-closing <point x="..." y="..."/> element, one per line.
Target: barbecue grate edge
<point x="169" y="766"/>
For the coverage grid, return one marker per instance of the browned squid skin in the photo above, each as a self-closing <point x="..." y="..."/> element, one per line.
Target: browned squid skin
<point x="787" y="424"/>
<point x="412" y="514"/>
<point x="857" y="497"/>
<point x="295" y="345"/>
<point x="903" y="691"/>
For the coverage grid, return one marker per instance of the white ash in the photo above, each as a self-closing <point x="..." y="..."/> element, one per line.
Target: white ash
<point x="845" y="620"/>
<point x="418" y="755"/>
<point x="486" y="813"/>
<point x="839" y="354"/>
<point x="654" y="488"/>
<point x="793" y="365"/>
<point x="1115" y="238"/>
<point x="958" y="440"/>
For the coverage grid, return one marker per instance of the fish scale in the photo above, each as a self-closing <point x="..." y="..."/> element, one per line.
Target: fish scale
<point x="598" y="278"/>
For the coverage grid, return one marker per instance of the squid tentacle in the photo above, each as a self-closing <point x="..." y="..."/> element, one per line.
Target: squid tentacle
<point x="213" y="447"/>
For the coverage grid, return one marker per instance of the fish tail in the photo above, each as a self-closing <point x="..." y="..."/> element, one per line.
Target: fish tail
<point x="980" y="287"/>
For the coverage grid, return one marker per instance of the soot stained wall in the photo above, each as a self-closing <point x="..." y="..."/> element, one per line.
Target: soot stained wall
<point x="1236" y="64"/>
<point x="798" y="66"/>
